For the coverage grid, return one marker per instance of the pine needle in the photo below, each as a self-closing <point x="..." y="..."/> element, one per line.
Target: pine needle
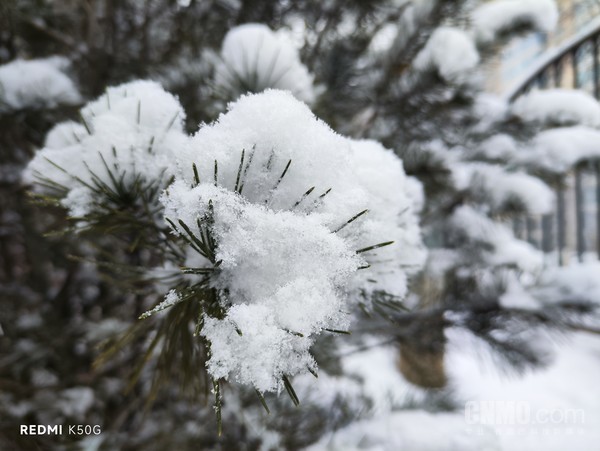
<point x="218" y="406"/>
<point x="85" y="124"/>
<point x="196" y="176"/>
<point x="375" y="246"/>
<point x="336" y="331"/>
<point x="290" y="390"/>
<point x="239" y="173"/>
<point x="262" y="401"/>
<point x="304" y="196"/>
<point x="351" y="220"/>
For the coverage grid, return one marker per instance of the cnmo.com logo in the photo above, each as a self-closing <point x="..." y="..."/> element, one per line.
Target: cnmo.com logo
<point x="501" y="413"/>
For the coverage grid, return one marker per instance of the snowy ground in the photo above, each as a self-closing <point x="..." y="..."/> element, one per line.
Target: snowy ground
<point x="563" y="401"/>
<point x="555" y="408"/>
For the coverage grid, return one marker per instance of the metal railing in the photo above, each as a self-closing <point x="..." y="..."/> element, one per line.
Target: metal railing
<point x="574" y="227"/>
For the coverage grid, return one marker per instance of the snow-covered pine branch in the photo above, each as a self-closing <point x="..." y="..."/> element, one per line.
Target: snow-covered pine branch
<point x="504" y="192"/>
<point x="292" y="225"/>
<point x="36" y="84"/>
<point x="254" y="58"/>
<point x="451" y="53"/>
<point x="119" y="155"/>
<point x="557" y="150"/>
<point x="498" y="18"/>
<point x="558" y="108"/>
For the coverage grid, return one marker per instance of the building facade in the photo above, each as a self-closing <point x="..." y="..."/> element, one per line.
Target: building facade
<point x="516" y="59"/>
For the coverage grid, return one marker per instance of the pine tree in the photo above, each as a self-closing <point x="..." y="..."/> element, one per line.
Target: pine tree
<point x="149" y="222"/>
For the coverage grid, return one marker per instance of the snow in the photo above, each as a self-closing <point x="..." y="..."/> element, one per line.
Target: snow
<point x="473" y="226"/>
<point x="568" y="384"/>
<point x="499" y="147"/>
<point x="261" y="355"/>
<point x="416" y="193"/>
<point x="381" y="381"/>
<point x="255" y="58"/>
<point x="491" y="110"/>
<point x="289" y="261"/>
<point x="558" y="150"/>
<point x="65" y="134"/>
<point x="75" y="402"/>
<point x="578" y="281"/>
<point x="566" y="389"/>
<point x="410" y="430"/>
<point x="131" y="131"/>
<point x="300" y="256"/>
<point x="517" y="295"/>
<point x="170" y="300"/>
<point x="392" y="199"/>
<point x="275" y="129"/>
<point x="491" y="20"/>
<point x="384" y="38"/>
<point x="39" y="83"/>
<point x="450" y="52"/>
<point x="500" y="189"/>
<point x="415" y="15"/>
<point x="558" y="107"/>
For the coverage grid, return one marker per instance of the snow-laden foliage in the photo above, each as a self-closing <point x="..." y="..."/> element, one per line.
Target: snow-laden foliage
<point x="494" y="19"/>
<point x="393" y="201"/>
<point x="255" y="58"/>
<point x="501" y="148"/>
<point x="558" y="107"/>
<point x="261" y="264"/>
<point x="558" y="150"/>
<point x="472" y="228"/>
<point x="502" y="190"/>
<point x="296" y="213"/>
<point x="123" y="148"/>
<point x="36" y="84"/>
<point x="490" y="110"/>
<point x="577" y="281"/>
<point x="451" y="53"/>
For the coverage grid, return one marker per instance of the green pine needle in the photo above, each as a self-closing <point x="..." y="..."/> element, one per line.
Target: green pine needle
<point x="196" y="176"/>
<point x="304" y="196"/>
<point x="239" y="173"/>
<point x="85" y="124"/>
<point x="151" y="145"/>
<point x="172" y="121"/>
<point x="290" y="390"/>
<point x="351" y="220"/>
<point x="218" y="406"/>
<point x="263" y="401"/>
<point x="375" y="246"/>
<point x="336" y="331"/>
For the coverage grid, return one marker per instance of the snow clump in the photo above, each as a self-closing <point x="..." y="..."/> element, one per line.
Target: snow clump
<point x="295" y="211"/>
<point x="36" y="84"/>
<point x="558" y="107"/>
<point x="255" y="58"/>
<point x="558" y="150"/>
<point x="493" y="19"/>
<point x="127" y="138"/>
<point x="451" y="52"/>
